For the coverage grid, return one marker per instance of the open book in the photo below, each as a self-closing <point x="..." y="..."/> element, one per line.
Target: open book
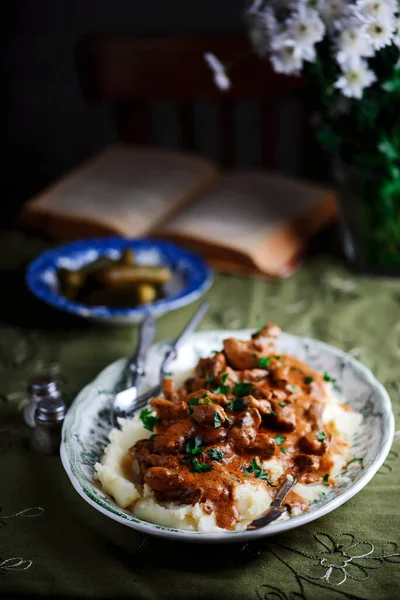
<point x="250" y="221"/>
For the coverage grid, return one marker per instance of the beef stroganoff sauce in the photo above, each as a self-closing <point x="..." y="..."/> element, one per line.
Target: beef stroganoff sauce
<point x="244" y="420"/>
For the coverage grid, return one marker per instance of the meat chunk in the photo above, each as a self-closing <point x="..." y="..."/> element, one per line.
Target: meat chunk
<point x="246" y="355"/>
<point x="209" y="367"/>
<point x="262" y="405"/>
<point x="170" y="411"/>
<point x="169" y="391"/>
<point x="173" y="440"/>
<point x="306" y="462"/>
<point x="310" y="444"/>
<point x="284" y="418"/>
<point x="244" y="432"/>
<point x="314" y="414"/>
<point x="251" y="375"/>
<point x="263" y="445"/>
<point x="207" y="413"/>
<point x="160" y="479"/>
<point x="213" y="435"/>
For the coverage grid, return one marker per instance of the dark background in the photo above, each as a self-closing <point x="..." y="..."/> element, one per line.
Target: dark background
<point x="48" y="127"/>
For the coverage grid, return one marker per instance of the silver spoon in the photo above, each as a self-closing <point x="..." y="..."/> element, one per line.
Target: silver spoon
<point x="275" y="510"/>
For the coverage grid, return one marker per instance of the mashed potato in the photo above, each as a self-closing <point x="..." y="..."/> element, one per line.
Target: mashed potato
<point x="251" y="498"/>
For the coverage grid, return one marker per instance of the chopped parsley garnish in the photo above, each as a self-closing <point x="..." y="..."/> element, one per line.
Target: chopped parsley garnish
<point x="209" y="378"/>
<point x="282" y="404"/>
<point x="277" y="357"/>
<point x="308" y="380"/>
<point x="235" y="479"/>
<point x="217" y="420"/>
<point x="294" y="388"/>
<point x="323" y="494"/>
<point x="264" y="361"/>
<point x="215" y="351"/>
<point x="354" y="460"/>
<point x="215" y="454"/>
<point x="194" y="446"/>
<point x="222" y="389"/>
<point x="206" y="399"/>
<point x="260" y="324"/>
<point x="200" y="467"/>
<point x="325" y="479"/>
<point x="321" y="436"/>
<point x="153" y="436"/>
<point x="193" y="402"/>
<point x="327" y="377"/>
<point x="236" y="404"/>
<point x="279" y="439"/>
<point x="243" y="389"/>
<point x="283" y="448"/>
<point x="148" y="419"/>
<point x="272" y="412"/>
<point x="224" y="377"/>
<point x="258" y="472"/>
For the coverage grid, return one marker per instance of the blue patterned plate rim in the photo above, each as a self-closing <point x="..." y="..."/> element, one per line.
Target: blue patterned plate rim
<point x="198" y="276"/>
<point x="386" y="419"/>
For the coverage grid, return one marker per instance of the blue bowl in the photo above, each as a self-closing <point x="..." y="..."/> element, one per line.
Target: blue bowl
<point x="191" y="277"/>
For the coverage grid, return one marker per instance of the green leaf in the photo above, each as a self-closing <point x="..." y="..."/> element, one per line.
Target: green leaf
<point x="283" y="448"/>
<point x="282" y="404"/>
<point x="325" y="479"/>
<point x="327" y="377"/>
<point x="388" y="149"/>
<point x="193" y="402"/>
<point x="209" y="379"/>
<point x="217" y="420"/>
<point x="321" y="436"/>
<point x="258" y="472"/>
<point x="243" y="389"/>
<point x="308" y="380"/>
<point x="330" y="140"/>
<point x="194" y="446"/>
<point x="148" y="419"/>
<point x="222" y="389"/>
<point x="236" y="404"/>
<point x="215" y="454"/>
<point x="279" y="439"/>
<point x="224" y="377"/>
<point x="200" y="467"/>
<point x="264" y="361"/>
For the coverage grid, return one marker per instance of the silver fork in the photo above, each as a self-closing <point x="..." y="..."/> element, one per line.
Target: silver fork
<point x="134" y="371"/>
<point x="170" y="355"/>
<point x="275" y="510"/>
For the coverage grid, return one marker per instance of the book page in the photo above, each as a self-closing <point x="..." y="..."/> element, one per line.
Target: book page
<point x="126" y="188"/>
<point x="243" y="211"/>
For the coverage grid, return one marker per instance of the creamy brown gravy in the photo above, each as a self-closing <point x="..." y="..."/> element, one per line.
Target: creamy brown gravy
<point x="285" y="397"/>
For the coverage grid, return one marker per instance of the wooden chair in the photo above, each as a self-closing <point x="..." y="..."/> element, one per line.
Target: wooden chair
<point x="133" y="73"/>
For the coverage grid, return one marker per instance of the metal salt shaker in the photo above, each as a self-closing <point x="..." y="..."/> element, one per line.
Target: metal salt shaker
<point x="49" y="417"/>
<point x="41" y="387"/>
<point x="45" y="414"/>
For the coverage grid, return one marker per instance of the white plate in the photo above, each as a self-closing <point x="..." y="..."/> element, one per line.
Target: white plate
<point x="87" y="425"/>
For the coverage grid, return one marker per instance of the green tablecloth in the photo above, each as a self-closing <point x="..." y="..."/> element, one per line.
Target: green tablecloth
<point x="54" y="544"/>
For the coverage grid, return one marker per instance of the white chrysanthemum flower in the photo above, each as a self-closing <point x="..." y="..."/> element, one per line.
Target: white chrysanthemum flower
<point x="353" y="44"/>
<point x="380" y="33"/>
<point x="263" y="27"/>
<point x="355" y="79"/>
<point x="396" y="30"/>
<point x="220" y="77"/>
<point x="305" y="28"/>
<point x="334" y="10"/>
<point x="301" y="32"/>
<point x="375" y="10"/>
<point x="286" y="61"/>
